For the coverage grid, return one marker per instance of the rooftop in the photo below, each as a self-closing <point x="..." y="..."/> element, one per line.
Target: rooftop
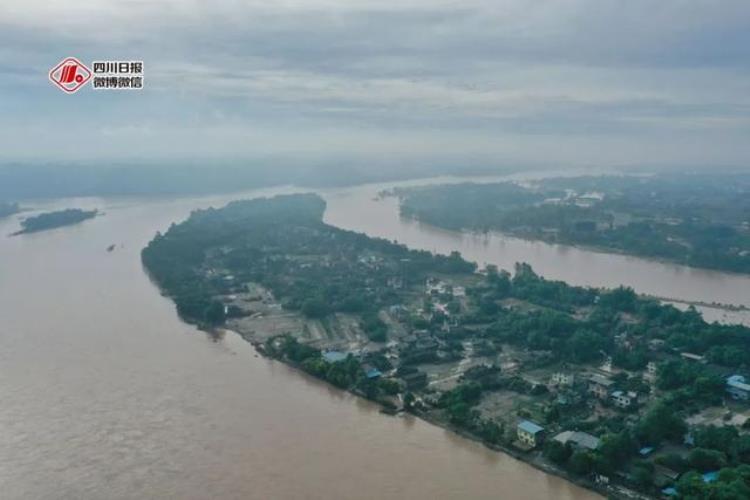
<point x="334" y="356"/>
<point x="601" y="380"/>
<point x="530" y="427"/>
<point x="581" y="439"/>
<point x="738" y="382"/>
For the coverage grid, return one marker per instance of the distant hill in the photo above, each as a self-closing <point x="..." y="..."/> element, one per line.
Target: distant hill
<point x="19" y="182"/>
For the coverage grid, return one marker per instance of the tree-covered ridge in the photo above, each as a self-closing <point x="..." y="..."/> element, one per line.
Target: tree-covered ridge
<point x="8" y="208"/>
<point x="282" y="244"/>
<point x="697" y="220"/>
<point x="52" y="220"/>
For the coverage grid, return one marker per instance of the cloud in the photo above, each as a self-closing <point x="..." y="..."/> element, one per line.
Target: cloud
<point x="603" y="80"/>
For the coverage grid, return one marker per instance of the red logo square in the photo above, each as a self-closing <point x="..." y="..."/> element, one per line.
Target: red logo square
<point x="70" y="75"/>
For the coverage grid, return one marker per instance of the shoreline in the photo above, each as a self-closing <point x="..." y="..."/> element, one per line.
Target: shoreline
<point x="606" y="251"/>
<point x="527" y="458"/>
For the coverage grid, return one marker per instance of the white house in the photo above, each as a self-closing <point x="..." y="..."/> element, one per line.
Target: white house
<point x="562" y="379"/>
<point x="623" y="399"/>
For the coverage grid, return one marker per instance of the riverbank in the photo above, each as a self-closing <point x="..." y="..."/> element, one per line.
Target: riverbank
<point x="723" y="306"/>
<point x="483" y="352"/>
<point x="532" y="458"/>
<point x="524" y="236"/>
<point x="109" y="395"/>
<point x="612" y="213"/>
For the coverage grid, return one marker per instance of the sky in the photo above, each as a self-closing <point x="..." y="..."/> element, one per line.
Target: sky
<point x="552" y="82"/>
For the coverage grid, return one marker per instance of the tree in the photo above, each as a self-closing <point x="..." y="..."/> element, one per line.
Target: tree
<point x="691" y="486"/>
<point x="643" y="474"/>
<point x="716" y="438"/>
<point x="740" y="449"/>
<point x="581" y="462"/>
<point x="557" y="452"/>
<point x="214" y="314"/>
<point x="616" y="449"/>
<point x="619" y="299"/>
<point x="314" y="308"/>
<point x="706" y="460"/>
<point x="660" y="423"/>
<point x="586" y="345"/>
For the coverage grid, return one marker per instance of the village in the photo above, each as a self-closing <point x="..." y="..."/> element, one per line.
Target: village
<point x="607" y="388"/>
<point x="427" y="362"/>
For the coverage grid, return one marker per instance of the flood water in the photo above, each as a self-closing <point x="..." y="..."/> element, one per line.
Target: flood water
<point x="361" y="210"/>
<point x="104" y="393"/>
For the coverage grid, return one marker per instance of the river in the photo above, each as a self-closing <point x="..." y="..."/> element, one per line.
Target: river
<point x="104" y="393"/>
<point x="360" y="210"/>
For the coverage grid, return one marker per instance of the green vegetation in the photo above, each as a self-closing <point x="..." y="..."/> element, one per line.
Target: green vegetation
<point x="52" y="220"/>
<point x="697" y="220"/>
<point x="283" y="244"/>
<point x="416" y="312"/>
<point x="554" y="328"/>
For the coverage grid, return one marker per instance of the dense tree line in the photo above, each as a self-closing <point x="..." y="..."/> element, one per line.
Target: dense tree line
<point x="51" y="220"/>
<point x="282" y="244"/>
<point x="555" y="328"/>
<point x="696" y="220"/>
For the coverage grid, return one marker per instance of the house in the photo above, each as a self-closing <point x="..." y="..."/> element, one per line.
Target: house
<point x="710" y="477"/>
<point x="738" y="388"/>
<point x="651" y="370"/>
<point x="656" y="344"/>
<point x="623" y="399"/>
<point x="578" y="440"/>
<point x="562" y="379"/>
<point x="529" y="433"/>
<point x="689" y="356"/>
<point x="334" y="356"/>
<point x="600" y="386"/>
<point x="646" y="451"/>
<point x="371" y="372"/>
<point x="665" y="475"/>
<point x="435" y="286"/>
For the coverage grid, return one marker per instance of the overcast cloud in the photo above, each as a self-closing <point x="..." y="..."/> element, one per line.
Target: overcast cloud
<point x="568" y="82"/>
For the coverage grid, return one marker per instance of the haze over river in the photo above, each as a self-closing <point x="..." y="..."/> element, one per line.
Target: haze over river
<point x="104" y="393"/>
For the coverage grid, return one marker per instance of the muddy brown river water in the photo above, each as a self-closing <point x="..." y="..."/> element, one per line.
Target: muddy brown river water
<point x="104" y="393"/>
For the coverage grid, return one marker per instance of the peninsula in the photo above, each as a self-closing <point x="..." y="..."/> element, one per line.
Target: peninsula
<point x="605" y="387"/>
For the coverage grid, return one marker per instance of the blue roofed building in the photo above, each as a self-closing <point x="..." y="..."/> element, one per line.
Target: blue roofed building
<point x="738" y="388"/>
<point x="646" y="451"/>
<point x="710" y="477"/>
<point x="530" y="434"/>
